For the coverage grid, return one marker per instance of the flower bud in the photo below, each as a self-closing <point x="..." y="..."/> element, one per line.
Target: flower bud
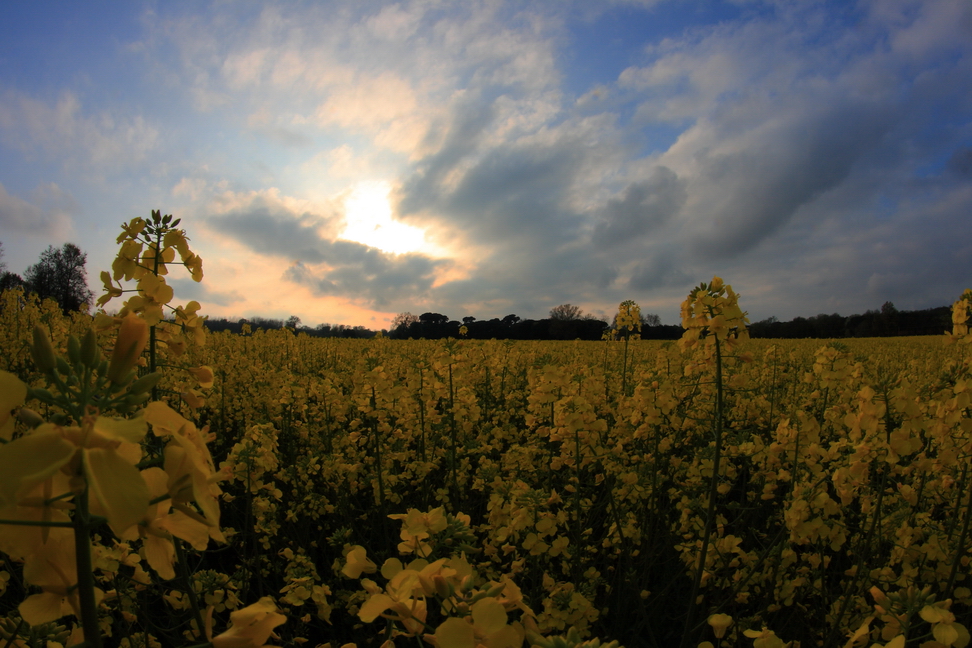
<point x="443" y="587"/>
<point x="134" y="400"/>
<point x="42" y="350"/>
<point x="74" y="350"/>
<point x="62" y="366"/>
<point x="90" y="353"/>
<point x="132" y="337"/>
<point x="29" y="417"/>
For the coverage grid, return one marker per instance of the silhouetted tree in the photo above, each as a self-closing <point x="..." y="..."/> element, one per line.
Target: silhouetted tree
<point x="565" y="312"/>
<point x="60" y="275"/>
<point x="650" y="319"/>
<point x="433" y="318"/>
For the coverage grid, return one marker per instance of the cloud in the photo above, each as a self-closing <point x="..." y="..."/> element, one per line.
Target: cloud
<point x="188" y="290"/>
<point x="270" y="225"/>
<point x="645" y="206"/>
<point x="51" y="219"/>
<point x="745" y="186"/>
<point x="774" y="146"/>
<point x="64" y="131"/>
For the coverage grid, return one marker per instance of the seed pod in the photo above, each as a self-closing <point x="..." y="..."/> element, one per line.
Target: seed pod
<point x="90" y="353"/>
<point x="145" y="383"/>
<point x="74" y="350"/>
<point x="42" y="350"/>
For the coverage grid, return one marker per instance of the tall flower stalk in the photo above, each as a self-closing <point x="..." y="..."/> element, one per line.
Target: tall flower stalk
<point x="713" y="324"/>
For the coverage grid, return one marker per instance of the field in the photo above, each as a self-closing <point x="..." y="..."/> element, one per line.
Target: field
<point x="461" y="493"/>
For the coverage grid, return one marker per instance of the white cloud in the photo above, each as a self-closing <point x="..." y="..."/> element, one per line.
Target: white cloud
<point x="63" y="130"/>
<point x="54" y="221"/>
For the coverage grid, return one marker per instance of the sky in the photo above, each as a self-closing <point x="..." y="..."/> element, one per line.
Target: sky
<point x="345" y="161"/>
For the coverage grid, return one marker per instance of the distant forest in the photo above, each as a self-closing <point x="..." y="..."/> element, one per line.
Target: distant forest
<point x="886" y="322"/>
<point x="60" y="274"/>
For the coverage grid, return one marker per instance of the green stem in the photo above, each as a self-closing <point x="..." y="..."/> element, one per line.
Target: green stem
<point x="86" y="588"/>
<point x="960" y="551"/>
<point x="187" y="583"/>
<point x="713" y="493"/>
<point x="39" y="524"/>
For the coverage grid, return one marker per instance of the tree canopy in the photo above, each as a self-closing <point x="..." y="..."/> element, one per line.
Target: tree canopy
<point x="60" y="275"/>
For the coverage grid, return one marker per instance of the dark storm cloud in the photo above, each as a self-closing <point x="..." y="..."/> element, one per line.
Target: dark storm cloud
<point x="645" y="206"/>
<point x="268" y="227"/>
<point x="384" y="281"/>
<point x="467" y="124"/>
<point x="752" y="192"/>
<point x="961" y="162"/>
<point x="327" y="266"/>
<point x="661" y="271"/>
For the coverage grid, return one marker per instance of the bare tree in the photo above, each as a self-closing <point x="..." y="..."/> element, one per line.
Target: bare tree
<point x="565" y="312"/>
<point x="403" y="321"/>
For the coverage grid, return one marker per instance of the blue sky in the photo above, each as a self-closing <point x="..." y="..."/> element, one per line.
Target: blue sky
<point x="347" y="161"/>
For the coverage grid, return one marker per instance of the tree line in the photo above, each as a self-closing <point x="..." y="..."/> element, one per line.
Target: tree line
<point x="565" y="322"/>
<point x="886" y="322"/>
<point x="60" y="274"/>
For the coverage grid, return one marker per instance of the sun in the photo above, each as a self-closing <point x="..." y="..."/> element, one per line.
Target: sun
<point x="368" y="216"/>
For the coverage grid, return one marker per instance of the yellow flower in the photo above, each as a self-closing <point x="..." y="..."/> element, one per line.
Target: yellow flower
<point x="944" y="627"/>
<point x="53" y="568"/>
<point x="249" y="627"/>
<point x="188" y="463"/>
<point x="131" y="229"/>
<point x="159" y="524"/>
<point x="764" y="638"/>
<point x="204" y="375"/>
<point x="358" y="562"/>
<point x="110" y="290"/>
<point x="720" y="623"/>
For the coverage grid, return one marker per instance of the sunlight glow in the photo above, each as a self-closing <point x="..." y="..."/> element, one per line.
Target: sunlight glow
<point x="369" y="221"/>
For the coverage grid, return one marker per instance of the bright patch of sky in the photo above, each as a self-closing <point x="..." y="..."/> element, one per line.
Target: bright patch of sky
<point x="344" y="161"/>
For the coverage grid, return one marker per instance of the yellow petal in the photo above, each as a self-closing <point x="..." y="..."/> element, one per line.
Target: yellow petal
<point x="945" y="633"/>
<point x="30" y="460"/>
<point x="963" y="636"/>
<point x="117" y="487"/>
<point x="160" y="554"/>
<point x="455" y="633"/>
<point x="507" y="637"/>
<point x="374" y="606"/>
<point x="44" y="608"/>
<point x="488" y="615"/>
<point x="131" y="430"/>
<point x="13" y="393"/>
<point x="391" y="568"/>
<point x="182" y="526"/>
<point x="933" y="614"/>
<point x="163" y="418"/>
